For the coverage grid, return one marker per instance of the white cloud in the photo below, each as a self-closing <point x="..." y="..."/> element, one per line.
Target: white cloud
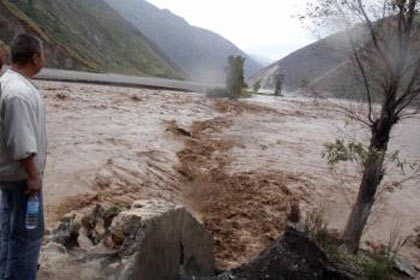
<point x="265" y="27"/>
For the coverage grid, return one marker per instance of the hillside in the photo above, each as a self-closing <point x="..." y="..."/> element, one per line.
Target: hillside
<point x="85" y="35"/>
<point x="305" y="65"/>
<point x="262" y="60"/>
<point x="200" y="53"/>
<point x="326" y="66"/>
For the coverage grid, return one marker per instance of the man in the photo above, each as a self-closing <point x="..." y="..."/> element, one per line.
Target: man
<point x="3" y="56"/>
<point x="22" y="159"/>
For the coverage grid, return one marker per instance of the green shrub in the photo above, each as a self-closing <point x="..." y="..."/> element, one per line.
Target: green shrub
<point x="316" y="227"/>
<point x="377" y="267"/>
<point x="257" y="86"/>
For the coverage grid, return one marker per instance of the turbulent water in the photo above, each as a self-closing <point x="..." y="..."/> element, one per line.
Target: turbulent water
<point x="234" y="164"/>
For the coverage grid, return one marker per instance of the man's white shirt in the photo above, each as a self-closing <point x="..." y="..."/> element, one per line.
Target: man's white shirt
<point x="22" y="126"/>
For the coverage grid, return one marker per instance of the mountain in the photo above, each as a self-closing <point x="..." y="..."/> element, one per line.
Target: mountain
<point x="85" y="35"/>
<point x="307" y="64"/>
<point x="325" y="65"/>
<point x="202" y="54"/>
<point x="262" y="60"/>
<point x="329" y="67"/>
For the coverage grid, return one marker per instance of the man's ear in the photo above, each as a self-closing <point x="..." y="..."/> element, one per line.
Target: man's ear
<point x="36" y="58"/>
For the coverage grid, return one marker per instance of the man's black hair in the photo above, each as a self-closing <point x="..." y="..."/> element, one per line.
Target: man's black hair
<point x="24" y="47"/>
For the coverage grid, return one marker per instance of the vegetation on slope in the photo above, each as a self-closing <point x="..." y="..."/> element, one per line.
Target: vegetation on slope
<point x="202" y="54"/>
<point x="88" y="33"/>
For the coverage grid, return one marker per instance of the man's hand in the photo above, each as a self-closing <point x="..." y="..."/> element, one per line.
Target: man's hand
<point x="33" y="184"/>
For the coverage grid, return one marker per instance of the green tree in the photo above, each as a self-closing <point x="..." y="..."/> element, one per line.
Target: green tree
<point x="257" y="86"/>
<point x="387" y="63"/>
<point x="278" y="84"/>
<point x="235" y="81"/>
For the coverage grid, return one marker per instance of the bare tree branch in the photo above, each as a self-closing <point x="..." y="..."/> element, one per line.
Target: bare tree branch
<point x="345" y="110"/>
<point x="367" y="87"/>
<point x="409" y="95"/>
<point x="415" y="114"/>
<point x="405" y="27"/>
<point x="413" y="64"/>
<point x="409" y="100"/>
<point x="373" y="34"/>
<point x="384" y="9"/>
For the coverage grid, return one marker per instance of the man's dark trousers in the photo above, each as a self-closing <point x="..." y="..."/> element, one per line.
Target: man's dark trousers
<point x="20" y="247"/>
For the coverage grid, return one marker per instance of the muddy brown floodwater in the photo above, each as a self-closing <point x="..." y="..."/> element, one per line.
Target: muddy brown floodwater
<point x="235" y="165"/>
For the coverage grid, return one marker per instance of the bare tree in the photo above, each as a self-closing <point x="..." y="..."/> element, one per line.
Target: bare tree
<point x="387" y="59"/>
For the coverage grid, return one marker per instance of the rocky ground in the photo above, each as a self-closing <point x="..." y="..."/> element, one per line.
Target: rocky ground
<point x="235" y="165"/>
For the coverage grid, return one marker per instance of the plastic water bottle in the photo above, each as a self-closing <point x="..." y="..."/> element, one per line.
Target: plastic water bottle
<point x="32" y="212"/>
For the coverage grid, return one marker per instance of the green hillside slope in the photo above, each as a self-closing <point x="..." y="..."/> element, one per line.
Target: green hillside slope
<point x="202" y="54"/>
<point x="85" y="35"/>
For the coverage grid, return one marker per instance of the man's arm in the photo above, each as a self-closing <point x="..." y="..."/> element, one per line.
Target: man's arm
<point x="19" y="135"/>
<point x="32" y="172"/>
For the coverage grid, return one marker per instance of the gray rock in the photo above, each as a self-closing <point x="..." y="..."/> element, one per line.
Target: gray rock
<point x="292" y="257"/>
<point x="51" y="253"/>
<point x="84" y="242"/>
<point x="93" y="271"/>
<point x="100" y="227"/>
<point x="66" y="232"/>
<point x="54" y="248"/>
<point x="404" y="266"/>
<point x="162" y="241"/>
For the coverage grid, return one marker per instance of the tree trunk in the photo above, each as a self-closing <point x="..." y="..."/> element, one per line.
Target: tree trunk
<point x="372" y="176"/>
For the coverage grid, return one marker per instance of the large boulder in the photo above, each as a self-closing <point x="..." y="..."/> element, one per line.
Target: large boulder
<point x="154" y="239"/>
<point x="160" y="240"/>
<point x="293" y="257"/>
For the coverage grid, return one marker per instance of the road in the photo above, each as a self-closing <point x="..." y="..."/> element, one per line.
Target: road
<point x="120" y="80"/>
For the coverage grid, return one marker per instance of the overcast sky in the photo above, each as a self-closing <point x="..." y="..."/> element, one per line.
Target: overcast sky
<point x="266" y="27"/>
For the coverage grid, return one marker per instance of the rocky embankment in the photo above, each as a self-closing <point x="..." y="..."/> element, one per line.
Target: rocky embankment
<point x="155" y="239"/>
